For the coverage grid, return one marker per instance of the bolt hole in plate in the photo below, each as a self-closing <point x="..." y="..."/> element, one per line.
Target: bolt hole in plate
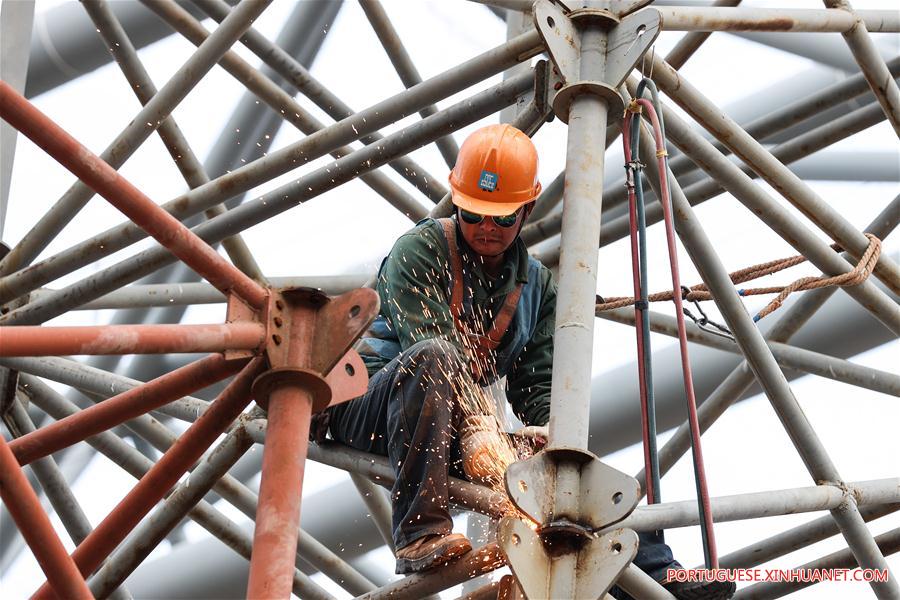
<point x="616" y="547"/>
<point x="551" y="22"/>
<point x="523" y="486"/>
<point x="354" y="312"/>
<point x="516" y="540"/>
<point x="349" y="369"/>
<point x="617" y="497"/>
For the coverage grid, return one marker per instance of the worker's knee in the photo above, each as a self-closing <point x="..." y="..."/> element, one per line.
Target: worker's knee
<point x="429" y="371"/>
<point x="435" y="354"/>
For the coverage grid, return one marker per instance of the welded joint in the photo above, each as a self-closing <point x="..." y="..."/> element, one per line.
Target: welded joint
<point x="576" y="324"/>
<point x="857" y="26"/>
<point x="243" y="421"/>
<point x="308" y="333"/>
<point x="601" y="560"/>
<point x="857" y="23"/>
<point x="851" y="496"/>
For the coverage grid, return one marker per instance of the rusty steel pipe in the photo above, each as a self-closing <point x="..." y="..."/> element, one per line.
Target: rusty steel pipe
<point x="137" y="465"/>
<point x="154" y="485"/>
<point x="129" y="339"/>
<point x="278" y="512"/>
<point x="35" y="526"/>
<point x="106" y="181"/>
<point x="288" y="395"/>
<point x="186" y="78"/>
<point x="121" y="408"/>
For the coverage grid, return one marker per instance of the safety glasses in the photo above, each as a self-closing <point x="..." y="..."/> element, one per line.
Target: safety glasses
<point x="474" y="218"/>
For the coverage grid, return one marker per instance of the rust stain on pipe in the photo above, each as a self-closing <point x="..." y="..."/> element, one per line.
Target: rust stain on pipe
<point x="29" y="516"/>
<point x="769" y="24"/>
<point x="154" y="485"/>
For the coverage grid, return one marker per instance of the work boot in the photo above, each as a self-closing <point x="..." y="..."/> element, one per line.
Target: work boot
<point x="688" y="590"/>
<point x="431" y="551"/>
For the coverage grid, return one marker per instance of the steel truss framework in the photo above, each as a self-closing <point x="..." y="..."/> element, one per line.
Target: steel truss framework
<point x="289" y="348"/>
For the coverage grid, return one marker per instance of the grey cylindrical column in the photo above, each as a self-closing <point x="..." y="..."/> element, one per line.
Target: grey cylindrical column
<point x="582" y="201"/>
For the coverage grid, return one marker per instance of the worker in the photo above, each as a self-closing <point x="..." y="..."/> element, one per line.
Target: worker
<point x="462" y="304"/>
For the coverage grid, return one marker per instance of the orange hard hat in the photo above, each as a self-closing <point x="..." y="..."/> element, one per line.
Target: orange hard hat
<point x="496" y="171"/>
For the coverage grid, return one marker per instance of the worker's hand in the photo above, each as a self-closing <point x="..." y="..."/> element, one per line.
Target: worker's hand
<point x="538" y="434"/>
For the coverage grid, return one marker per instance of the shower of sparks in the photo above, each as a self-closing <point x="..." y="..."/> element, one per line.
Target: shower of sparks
<point x="479" y="418"/>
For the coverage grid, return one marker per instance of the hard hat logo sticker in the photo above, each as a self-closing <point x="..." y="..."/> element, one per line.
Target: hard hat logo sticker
<point x="488" y="181"/>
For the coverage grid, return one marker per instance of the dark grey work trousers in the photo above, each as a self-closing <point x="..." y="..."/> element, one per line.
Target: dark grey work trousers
<point x="409" y="414"/>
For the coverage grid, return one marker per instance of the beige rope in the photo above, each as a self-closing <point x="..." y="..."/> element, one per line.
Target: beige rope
<point x="700" y="292"/>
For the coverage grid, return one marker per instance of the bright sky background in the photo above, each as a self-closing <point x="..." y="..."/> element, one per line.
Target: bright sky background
<point x="350" y="229"/>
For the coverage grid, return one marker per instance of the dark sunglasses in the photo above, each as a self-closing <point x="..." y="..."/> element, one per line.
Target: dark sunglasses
<point x="474" y="218"/>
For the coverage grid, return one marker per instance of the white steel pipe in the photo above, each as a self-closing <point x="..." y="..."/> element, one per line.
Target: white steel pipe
<point x="871" y="63"/>
<point x="685" y="18"/>
<point x="669" y="515"/>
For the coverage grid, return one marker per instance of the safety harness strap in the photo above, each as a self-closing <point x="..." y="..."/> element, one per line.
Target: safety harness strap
<point x="456" y="297"/>
<point x="504" y="317"/>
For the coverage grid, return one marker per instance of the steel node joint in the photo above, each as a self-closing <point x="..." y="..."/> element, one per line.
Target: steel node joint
<point x="562" y="536"/>
<point x="601" y="68"/>
<point x="308" y="343"/>
<point x="307" y="334"/>
<point x="567" y="522"/>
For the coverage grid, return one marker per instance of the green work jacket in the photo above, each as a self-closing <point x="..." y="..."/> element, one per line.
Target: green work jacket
<point x="414" y="284"/>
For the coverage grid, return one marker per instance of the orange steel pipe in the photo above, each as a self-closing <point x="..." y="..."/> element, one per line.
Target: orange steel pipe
<point x="157" y="482"/>
<point x="129" y="339"/>
<point x="125" y="406"/>
<point x="146" y="214"/>
<point x="26" y="511"/>
<point x="284" y="457"/>
<point x="278" y="515"/>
